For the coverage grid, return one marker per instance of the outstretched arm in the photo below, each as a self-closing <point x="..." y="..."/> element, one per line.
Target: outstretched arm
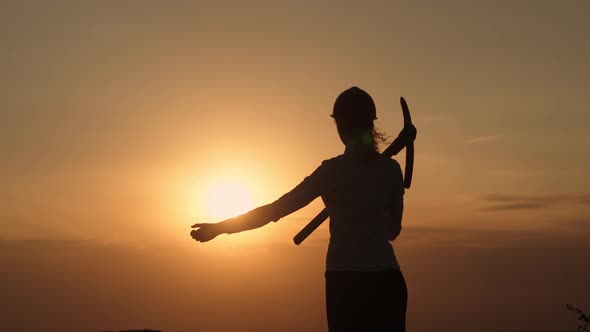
<point x="251" y="220"/>
<point x="309" y="189"/>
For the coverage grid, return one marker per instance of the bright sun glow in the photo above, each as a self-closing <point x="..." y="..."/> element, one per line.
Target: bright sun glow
<point x="226" y="200"/>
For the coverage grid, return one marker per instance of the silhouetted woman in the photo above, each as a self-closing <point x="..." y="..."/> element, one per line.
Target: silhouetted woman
<point x="363" y="192"/>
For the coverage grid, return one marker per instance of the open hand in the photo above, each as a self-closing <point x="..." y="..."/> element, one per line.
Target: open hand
<point x="204" y="232"/>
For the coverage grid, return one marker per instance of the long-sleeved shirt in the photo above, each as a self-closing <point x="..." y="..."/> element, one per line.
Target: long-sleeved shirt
<point x="365" y="201"/>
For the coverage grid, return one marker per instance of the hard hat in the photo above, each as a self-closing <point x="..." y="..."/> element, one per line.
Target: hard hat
<point x="354" y="104"/>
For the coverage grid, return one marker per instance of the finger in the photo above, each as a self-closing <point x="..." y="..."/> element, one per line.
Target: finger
<point x="199" y="225"/>
<point x="197" y="237"/>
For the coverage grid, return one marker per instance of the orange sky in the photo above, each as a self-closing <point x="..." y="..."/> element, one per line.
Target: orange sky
<point x="115" y="118"/>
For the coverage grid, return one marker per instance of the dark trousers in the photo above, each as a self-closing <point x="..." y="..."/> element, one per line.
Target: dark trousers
<point x="366" y="301"/>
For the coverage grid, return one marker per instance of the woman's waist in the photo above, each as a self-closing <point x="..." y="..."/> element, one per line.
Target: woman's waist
<point x="371" y="239"/>
<point x="356" y="256"/>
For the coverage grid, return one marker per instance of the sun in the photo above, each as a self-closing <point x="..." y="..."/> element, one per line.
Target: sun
<point x="228" y="199"/>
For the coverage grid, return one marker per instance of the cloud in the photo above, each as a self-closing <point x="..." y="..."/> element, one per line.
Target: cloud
<point x="503" y="202"/>
<point x="515" y="206"/>
<point x="481" y="139"/>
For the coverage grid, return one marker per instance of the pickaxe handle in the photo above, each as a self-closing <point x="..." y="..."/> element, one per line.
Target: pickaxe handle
<point x="393" y="149"/>
<point x="409" y="147"/>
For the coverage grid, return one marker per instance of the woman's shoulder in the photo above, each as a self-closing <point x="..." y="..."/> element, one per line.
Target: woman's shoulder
<point x="332" y="162"/>
<point x="341" y="160"/>
<point x="391" y="162"/>
<point x="344" y="158"/>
